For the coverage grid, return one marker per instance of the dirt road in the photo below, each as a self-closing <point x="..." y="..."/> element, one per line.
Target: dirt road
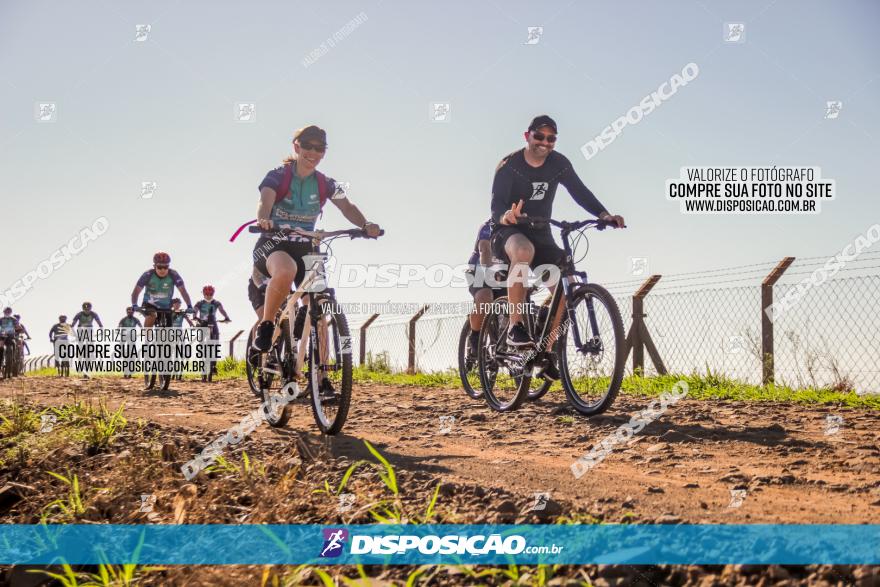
<point x="701" y="462"/>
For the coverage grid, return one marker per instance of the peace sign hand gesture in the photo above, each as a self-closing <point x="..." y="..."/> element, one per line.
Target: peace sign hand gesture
<point x="511" y="216"/>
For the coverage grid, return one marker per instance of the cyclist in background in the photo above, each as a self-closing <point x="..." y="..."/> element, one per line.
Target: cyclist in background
<point x="525" y="184"/>
<point x="158" y="286"/>
<point x="24" y="334"/>
<point x="207" y="308"/>
<point x="60" y="331"/>
<point x="179" y="317"/>
<point x="86" y="318"/>
<point x="130" y="320"/>
<point x="7" y="332"/>
<point x="481" y="289"/>
<point x="127" y="324"/>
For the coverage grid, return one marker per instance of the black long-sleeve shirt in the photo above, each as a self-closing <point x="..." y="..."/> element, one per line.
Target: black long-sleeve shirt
<point x="516" y="180"/>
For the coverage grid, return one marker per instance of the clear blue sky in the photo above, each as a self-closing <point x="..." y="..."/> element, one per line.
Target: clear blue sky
<point x="162" y="110"/>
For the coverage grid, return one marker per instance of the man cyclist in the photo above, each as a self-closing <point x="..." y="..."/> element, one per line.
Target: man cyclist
<point x="7" y="332"/>
<point x="86" y="318"/>
<point x="179" y="317"/>
<point x="127" y="324"/>
<point x="280" y="258"/>
<point x="25" y="336"/>
<point x="481" y="288"/>
<point x="130" y="320"/>
<point x="207" y="308"/>
<point x="524" y="185"/>
<point x="60" y="331"/>
<point x="158" y="286"/>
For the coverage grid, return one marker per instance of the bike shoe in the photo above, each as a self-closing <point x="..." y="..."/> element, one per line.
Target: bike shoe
<point x="550" y="372"/>
<point x="473" y="343"/>
<point x="518" y="336"/>
<point x="263" y="340"/>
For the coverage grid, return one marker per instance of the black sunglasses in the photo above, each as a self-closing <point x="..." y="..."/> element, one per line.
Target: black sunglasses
<point x="313" y="147"/>
<point x="161" y="266"/>
<point x="539" y="136"/>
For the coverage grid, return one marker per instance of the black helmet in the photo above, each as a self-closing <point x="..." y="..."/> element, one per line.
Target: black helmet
<point x="87" y="305"/>
<point x="62" y="318"/>
<point x="7" y="310"/>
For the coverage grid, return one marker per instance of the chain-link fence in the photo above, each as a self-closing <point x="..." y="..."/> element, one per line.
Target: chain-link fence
<point x="711" y="321"/>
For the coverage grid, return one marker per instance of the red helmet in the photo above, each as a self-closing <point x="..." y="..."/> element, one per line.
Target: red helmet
<point x="208" y="290"/>
<point x="161" y="258"/>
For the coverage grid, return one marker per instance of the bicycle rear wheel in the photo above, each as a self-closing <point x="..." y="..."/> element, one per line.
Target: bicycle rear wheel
<point x="329" y="406"/>
<point x="504" y="379"/>
<point x="592" y="368"/>
<point x="468" y="368"/>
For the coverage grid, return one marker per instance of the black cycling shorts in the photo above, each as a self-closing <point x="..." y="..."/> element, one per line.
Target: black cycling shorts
<point x="256" y="295"/>
<point x="547" y="252"/>
<point x="497" y="292"/>
<point x="295" y="250"/>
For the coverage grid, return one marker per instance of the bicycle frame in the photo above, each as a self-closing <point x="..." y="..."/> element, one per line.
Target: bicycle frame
<point x="569" y="278"/>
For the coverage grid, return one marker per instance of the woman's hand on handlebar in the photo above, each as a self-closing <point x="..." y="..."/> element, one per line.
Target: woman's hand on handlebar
<point x="372" y="229"/>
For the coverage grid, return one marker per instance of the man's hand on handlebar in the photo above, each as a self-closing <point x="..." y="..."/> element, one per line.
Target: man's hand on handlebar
<point x="614" y="219"/>
<point x="265" y="223"/>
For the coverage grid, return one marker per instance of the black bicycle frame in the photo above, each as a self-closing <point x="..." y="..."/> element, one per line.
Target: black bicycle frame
<point x="568" y="271"/>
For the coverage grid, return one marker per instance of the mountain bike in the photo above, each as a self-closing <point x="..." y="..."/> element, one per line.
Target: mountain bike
<point x="206" y="323"/>
<point x="164" y="319"/>
<point x="63" y="367"/>
<point x="23" y="350"/>
<point x="324" y="349"/>
<point x="468" y="370"/>
<point x="589" y="340"/>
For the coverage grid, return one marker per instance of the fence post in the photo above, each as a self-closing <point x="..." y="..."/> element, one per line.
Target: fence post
<point x="638" y="339"/>
<point x="363" y="343"/>
<point x="766" y="322"/>
<point x="411" y="360"/>
<point x="232" y="343"/>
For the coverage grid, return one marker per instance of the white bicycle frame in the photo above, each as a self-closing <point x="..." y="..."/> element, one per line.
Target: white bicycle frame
<point x="313" y="274"/>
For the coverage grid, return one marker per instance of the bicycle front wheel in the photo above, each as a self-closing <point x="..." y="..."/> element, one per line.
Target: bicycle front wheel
<point x="503" y="375"/>
<point x="593" y="354"/>
<point x="272" y="379"/>
<point x="329" y="366"/>
<point x="467" y="363"/>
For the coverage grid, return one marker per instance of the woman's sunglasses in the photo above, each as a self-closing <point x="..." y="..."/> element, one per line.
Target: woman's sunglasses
<point x="539" y="136"/>
<point x="313" y="147"/>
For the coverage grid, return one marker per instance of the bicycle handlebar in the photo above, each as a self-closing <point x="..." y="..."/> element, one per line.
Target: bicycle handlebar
<point x="145" y="311"/>
<point x="315" y="234"/>
<point x="564" y="225"/>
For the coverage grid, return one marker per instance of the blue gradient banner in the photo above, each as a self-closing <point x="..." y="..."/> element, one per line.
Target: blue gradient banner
<point x="440" y="544"/>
